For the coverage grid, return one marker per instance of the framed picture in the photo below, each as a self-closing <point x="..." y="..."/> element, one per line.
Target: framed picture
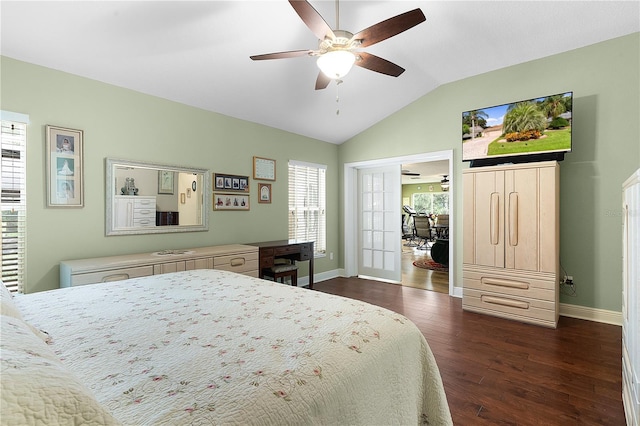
<point x="165" y="181"/>
<point x="65" y="173"/>
<point x="222" y="182"/>
<point x="264" y="193"/>
<point x="264" y="168"/>
<point x="230" y="201"/>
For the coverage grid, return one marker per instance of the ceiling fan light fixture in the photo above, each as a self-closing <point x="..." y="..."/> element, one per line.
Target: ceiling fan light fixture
<point x="444" y="184"/>
<point x="336" y="64"/>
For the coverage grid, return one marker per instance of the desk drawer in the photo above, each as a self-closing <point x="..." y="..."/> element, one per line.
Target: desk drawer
<point x="286" y="250"/>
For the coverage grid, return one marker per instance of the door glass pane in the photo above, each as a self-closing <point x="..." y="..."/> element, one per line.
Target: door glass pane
<point x="378" y="240"/>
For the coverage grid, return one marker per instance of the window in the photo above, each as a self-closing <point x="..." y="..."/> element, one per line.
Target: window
<point x="307" y="204"/>
<point x="435" y="203"/>
<point x="13" y="169"/>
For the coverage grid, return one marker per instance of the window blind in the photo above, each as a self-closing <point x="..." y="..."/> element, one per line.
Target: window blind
<point x="307" y="204"/>
<point x="13" y="170"/>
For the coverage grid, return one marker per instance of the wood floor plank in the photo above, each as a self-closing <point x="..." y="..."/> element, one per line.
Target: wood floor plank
<point x="501" y="372"/>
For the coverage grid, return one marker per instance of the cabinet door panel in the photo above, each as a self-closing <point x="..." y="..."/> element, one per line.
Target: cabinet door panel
<point x="203" y="263"/>
<point x="522" y="219"/>
<point x="549" y="219"/>
<point x="488" y="219"/>
<point x="165" y="268"/>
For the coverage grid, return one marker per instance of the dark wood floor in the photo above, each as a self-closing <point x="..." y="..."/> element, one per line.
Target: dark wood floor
<point x="504" y="372"/>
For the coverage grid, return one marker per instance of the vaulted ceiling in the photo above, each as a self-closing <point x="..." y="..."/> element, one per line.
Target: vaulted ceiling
<point x="197" y="53"/>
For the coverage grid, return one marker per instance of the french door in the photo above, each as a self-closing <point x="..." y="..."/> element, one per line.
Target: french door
<point x="379" y="223"/>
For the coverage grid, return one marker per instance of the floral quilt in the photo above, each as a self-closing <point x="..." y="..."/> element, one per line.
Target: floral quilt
<point x="215" y="347"/>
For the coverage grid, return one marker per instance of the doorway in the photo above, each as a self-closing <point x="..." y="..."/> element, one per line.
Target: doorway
<point x="351" y="196"/>
<point x="425" y="203"/>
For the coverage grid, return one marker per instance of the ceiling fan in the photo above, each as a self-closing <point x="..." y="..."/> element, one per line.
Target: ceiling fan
<point x="338" y="49"/>
<point x="406" y="172"/>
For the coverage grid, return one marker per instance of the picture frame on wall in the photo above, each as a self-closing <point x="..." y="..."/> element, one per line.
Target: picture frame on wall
<point x="230" y="201"/>
<point x="264" y="193"/>
<point x="264" y="168"/>
<point x="64" y="167"/>
<point x="226" y="183"/>
<point x="165" y="181"/>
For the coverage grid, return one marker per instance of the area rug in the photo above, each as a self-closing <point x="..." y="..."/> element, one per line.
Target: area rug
<point x="428" y="263"/>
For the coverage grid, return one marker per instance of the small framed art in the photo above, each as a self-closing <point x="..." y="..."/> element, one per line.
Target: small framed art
<point x="264" y="168"/>
<point x="230" y="201"/>
<point x="222" y="182"/>
<point x="264" y="193"/>
<point x="65" y="173"/>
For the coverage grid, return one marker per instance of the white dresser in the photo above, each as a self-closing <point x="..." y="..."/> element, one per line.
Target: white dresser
<point x="631" y="300"/>
<point x="132" y="211"/>
<point x="233" y="257"/>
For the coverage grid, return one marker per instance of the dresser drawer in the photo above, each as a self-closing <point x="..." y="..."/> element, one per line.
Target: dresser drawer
<point x="535" y="311"/>
<point x="139" y="203"/>
<point x="522" y="285"/>
<point x="241" y="262"/>
<point x="144" y="221"/>
<point x="112" y="275"/>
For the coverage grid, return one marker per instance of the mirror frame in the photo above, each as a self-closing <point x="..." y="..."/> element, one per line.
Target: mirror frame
<point x="111" y="191"/>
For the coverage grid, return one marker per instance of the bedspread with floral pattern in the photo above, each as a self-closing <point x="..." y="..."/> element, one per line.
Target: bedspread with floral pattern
<point x="212" y="347"/>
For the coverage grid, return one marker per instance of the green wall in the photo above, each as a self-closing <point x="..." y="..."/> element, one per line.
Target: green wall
<point x="606" y="150"/>
<point x="125" y="124"/>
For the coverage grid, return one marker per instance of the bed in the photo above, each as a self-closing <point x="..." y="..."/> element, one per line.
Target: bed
<point x="209" y="347"/>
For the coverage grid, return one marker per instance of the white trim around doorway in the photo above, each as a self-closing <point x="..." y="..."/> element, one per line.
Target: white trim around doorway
<point x="350" y="207"/>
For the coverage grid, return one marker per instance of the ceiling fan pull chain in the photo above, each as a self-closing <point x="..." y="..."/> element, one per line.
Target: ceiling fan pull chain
<point x="338" y="82"/>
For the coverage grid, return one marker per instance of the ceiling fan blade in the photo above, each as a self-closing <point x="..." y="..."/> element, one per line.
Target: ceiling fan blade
<point x="322" y="81"/>
<point x="377" y="64"/>
<point x="312" y="19"/>
<point x="389" y="27"/>
<point x="282" y="55"/>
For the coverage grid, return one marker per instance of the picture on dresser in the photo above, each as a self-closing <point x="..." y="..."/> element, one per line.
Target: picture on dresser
<point x="64" y="167"/>
<point x="222" y="201"/>
<point x="224" y="182"/>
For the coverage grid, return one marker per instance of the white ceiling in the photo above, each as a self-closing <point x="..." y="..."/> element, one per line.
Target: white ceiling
<point x="197" y="53"/>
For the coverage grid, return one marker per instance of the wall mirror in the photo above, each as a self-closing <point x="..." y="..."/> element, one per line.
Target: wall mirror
<point x="148" y="198"/>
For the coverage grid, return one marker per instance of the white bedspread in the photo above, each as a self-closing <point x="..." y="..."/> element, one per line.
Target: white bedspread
<point x="214" y="347"/>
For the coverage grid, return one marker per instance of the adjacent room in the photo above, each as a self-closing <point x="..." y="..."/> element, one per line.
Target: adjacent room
<point x="320" y="212"/>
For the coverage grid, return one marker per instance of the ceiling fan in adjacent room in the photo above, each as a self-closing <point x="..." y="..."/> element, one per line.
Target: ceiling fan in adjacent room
<point x="338" y="49"/>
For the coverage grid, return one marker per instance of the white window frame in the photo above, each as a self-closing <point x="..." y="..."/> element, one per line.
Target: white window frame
<point x="431" y="195"/>
<point x="13" y="203"/>
<point x="308" y="201"/>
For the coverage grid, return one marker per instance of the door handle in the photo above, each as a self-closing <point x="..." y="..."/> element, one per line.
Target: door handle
<point x="494" y="218"/>
<point x="513" y="218"/>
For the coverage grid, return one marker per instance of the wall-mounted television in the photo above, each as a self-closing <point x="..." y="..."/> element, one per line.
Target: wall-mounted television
<point x="536" y="129"/>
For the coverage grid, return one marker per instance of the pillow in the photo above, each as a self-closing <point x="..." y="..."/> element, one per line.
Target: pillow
<point x="36" y="388"/>
<point x="7" y="307"/>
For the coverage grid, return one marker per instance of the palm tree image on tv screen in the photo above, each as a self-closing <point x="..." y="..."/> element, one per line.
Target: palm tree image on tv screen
<point x="535" y="126"/>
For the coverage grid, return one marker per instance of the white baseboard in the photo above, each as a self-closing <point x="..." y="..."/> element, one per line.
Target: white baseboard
<point x="591" y="314"/>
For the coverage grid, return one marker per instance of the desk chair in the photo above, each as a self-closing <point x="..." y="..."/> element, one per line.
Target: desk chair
<point x="282" y="269"/>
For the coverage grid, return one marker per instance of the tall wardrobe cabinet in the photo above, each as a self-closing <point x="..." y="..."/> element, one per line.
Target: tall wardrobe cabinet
<point x="511" y="241"/>
<point x="631" y="300"/>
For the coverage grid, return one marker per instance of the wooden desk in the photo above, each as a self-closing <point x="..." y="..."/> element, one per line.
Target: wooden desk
<point x="288" y="249"/>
